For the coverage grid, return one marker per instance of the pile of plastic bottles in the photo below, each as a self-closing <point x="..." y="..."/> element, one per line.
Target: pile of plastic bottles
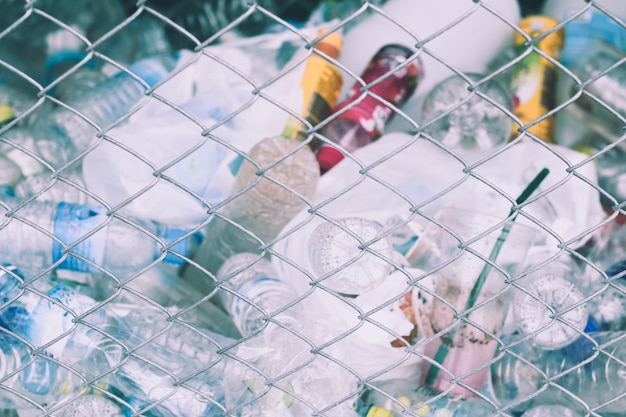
<point x="346" y="209"/>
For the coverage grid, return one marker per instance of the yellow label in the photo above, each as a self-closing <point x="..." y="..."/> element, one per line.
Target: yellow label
<point x="65" y="387"/>
<point x="423" y="411"/>
<point x="6" y="114"/>
<point x="535" y="78"/>
<point x="405" y="401"/>
<point x="378" y="412"/>
<point x="321" y="85"/>
<point x="322" y="81"/>
<point x="287" y="398"/>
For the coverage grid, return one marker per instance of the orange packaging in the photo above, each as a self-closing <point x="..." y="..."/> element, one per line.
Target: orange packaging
<point x="321" y="84"/>
<point x="535" y="77"/>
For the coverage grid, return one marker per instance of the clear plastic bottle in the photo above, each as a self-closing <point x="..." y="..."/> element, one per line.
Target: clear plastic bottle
<point x="92" y="405"/>
<point x="586" y="121"/>
<point x="10" y="175"/>
<point x="79" y="81"/>
<point x="609" y="255"/>
<point x="59" y="135"/>
<point x="37" y="384"/>
<point x="50" y="188"/>
<point x="53" y="148"/>
<point x="17" y="304"/>
<point x="361" y="118"/>
<point x="151" y="376"/>
<point x="285" y="377"/>
<point x="254" y="290"/>
<point x="89" y="346"/>
<point x="395" y="397"/>
<point x="593" y="23"/>
<point x="336" y="255"/>
<point x="549" y="304"/>
<point x="16" y="102"/>
<point x="268" y="206"/>
<point x="551" y="411"/>
<point x="468" y="123"/>
<point x="105" y="103"/>
<point x="592" y="371"/>
<point x="85" y="350"/>
<point x="262" y="204"/>
<point x="116" y="246"/>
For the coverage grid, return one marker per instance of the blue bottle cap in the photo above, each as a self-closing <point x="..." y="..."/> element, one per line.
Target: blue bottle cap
<point x="185" y="247"/>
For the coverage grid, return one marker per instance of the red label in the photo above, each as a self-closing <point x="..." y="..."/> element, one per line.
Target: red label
<point x="370" y="112"/>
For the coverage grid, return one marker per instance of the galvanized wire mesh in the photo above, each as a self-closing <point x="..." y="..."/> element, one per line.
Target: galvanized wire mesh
<point x="196" y="313"/>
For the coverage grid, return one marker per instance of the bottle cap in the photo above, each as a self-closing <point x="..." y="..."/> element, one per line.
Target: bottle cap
<point x="328" y="157"/>
<point x="6" y="114"/>
<point x="331" y="44"/>
<point x="183" y="247"/>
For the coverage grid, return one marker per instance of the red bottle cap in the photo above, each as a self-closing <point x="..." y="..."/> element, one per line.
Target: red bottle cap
<point x="328" y="157"/>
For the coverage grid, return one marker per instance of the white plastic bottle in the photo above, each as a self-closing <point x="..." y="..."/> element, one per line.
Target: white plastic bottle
<point x="117" y="247"/>
<point x="254" y="290"/>
<point x="471" y="36"/>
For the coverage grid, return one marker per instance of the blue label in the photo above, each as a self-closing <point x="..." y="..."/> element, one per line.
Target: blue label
<point x="8" y="283"/>
<point x="206" y="106"/>
<point x="592" y="24"/>
<point x="52" y="318"/>
<point x="150" y="70"/>
<point x="15" y="319"/>
<point x="581" y="348"/>
<point x="40" y="376"/>
<point x="616" y="269"/>
<point x="7" y="191"/>
<point x="64" y="58"/>
<point x="235" y="164"/>
<point x="72" y="222"/>
<point x="183" y="247"/>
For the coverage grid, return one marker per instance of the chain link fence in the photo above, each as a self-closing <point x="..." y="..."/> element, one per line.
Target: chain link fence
<point x="159" y="258"/>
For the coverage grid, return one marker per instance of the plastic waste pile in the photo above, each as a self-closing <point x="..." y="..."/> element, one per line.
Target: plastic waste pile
<point x="348" y="209"/>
